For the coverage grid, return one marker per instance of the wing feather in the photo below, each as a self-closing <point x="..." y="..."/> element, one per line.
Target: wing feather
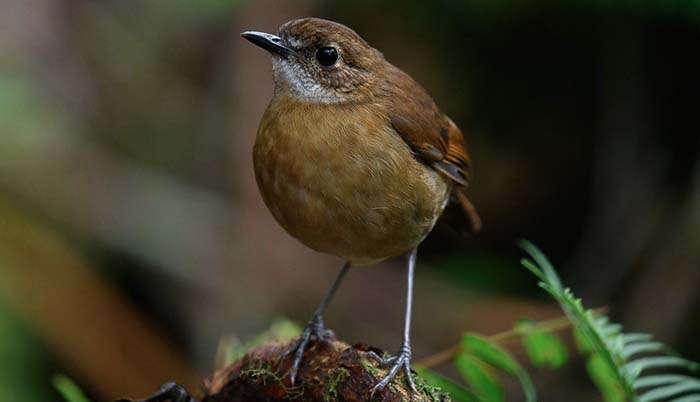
<point x="432" y="136"/>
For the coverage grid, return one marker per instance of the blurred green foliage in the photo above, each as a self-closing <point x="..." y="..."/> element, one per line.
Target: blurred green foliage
<point x="480" y="378"/>
<point x="69" y="389"/>
<point x="614" y="361"/>
<point x="232" y="349"/>
<point x="22" y="360"/>
<point x="543" y="347"/>
<point x="25" y="118"/>
<point x="604" y="379"/>
<point x="486" y="351"/>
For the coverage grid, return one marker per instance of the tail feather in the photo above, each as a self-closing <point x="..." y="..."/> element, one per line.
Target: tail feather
<point x="473" y="217"/>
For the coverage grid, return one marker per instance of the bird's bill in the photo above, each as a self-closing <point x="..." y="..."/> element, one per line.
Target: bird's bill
<point x="271" y="43"/>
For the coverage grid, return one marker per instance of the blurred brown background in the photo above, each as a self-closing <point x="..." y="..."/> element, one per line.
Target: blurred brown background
<point x="133" y="238"/>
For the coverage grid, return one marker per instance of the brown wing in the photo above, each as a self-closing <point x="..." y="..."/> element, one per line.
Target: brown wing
<point x="432" y="135"/>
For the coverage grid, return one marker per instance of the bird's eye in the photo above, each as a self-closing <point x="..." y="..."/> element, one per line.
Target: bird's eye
<point x="327" y="56"/>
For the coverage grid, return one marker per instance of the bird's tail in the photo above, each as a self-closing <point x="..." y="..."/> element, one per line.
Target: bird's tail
<point x="472" y="216"/>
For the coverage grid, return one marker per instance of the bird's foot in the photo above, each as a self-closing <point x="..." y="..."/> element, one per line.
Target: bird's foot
<point x="169" y="391"/>
<point x="315" y="329"/>
<point x="398" y="362"/>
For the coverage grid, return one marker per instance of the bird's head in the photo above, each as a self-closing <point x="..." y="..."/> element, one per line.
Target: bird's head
<point x="317" y="60"/>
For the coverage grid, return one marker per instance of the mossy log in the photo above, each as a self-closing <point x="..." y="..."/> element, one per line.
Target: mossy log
<point x="331" y="371"/>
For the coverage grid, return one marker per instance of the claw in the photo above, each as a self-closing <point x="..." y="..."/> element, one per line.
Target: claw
<point x="169" y="391"/>
<point x="314" y="328"/>
<point x="402" y="360"/>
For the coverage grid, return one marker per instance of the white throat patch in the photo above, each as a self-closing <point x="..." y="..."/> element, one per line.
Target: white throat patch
<point x="300" y="83"/>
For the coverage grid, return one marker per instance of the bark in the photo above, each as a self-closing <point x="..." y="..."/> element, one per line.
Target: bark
<point x="331" y="371"/>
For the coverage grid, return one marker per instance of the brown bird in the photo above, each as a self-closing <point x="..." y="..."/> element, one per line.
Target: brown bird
<point x="353" y="158"/>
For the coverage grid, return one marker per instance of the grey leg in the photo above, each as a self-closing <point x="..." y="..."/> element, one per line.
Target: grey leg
<point x="315" y="326"/>
<point x="403" y="359"/>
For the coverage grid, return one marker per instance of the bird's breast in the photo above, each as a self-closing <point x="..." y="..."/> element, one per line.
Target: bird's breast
<point x="338" y="178"/>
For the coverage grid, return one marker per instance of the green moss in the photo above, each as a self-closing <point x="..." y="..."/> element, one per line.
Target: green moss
<point x="331" y="392"/>
<point x="265" y="375"/>
<point x="262" y="374"/>
<point x="433" y="393"/>
<point x="369" y="367"/>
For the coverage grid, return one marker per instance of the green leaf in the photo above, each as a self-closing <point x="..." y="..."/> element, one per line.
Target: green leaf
<point x="68" y="389"/>
<point x="611" y="329"/>
<point x="544" y="348"/>
<point x="533" y="268"/>
<point x="495" y="356"/>
<point x="632" y="349"/>
<point x="660" y="379"/>
<point x="456" y="391"/>
<point x="668" y="391"/>
<point x="637" y="366"/>
<point x="550" y="275"/>
<point x="604" y="379"/>
<point x="584" y="346"/>
<point x="610" y="365"/>
<point x="636" y="337"/>
<point x="479" y="376"/>
<point x="687" y="398"/>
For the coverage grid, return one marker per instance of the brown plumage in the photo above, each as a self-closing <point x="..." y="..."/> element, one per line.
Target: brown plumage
<point x="356" y="160"/>
<point x="431" y="135"/>
<point x="341" y="180"/>
<point x="353" y="157"/>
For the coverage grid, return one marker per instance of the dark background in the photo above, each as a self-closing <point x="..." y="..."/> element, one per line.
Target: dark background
<point x="133" y="238"/>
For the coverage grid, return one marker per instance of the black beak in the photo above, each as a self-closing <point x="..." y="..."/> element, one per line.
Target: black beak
<point x="269" y="42"/>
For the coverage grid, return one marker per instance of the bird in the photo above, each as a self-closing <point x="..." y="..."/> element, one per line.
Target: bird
<point x="354" y="159"/>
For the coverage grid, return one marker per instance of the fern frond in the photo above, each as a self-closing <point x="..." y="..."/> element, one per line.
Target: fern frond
<point x="625" y="356"/>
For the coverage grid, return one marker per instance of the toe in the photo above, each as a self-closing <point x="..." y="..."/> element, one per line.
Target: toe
<point x="400" y="362"/>
<point x="380" y="385"/>
<point x="298" y="354"/>
<point x="409" y="377"/>
<point x="383" y="361"/>
<point x="388" y="361"/>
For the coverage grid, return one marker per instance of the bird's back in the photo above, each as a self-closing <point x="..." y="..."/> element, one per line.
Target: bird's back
<point x="433" y="137"/>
